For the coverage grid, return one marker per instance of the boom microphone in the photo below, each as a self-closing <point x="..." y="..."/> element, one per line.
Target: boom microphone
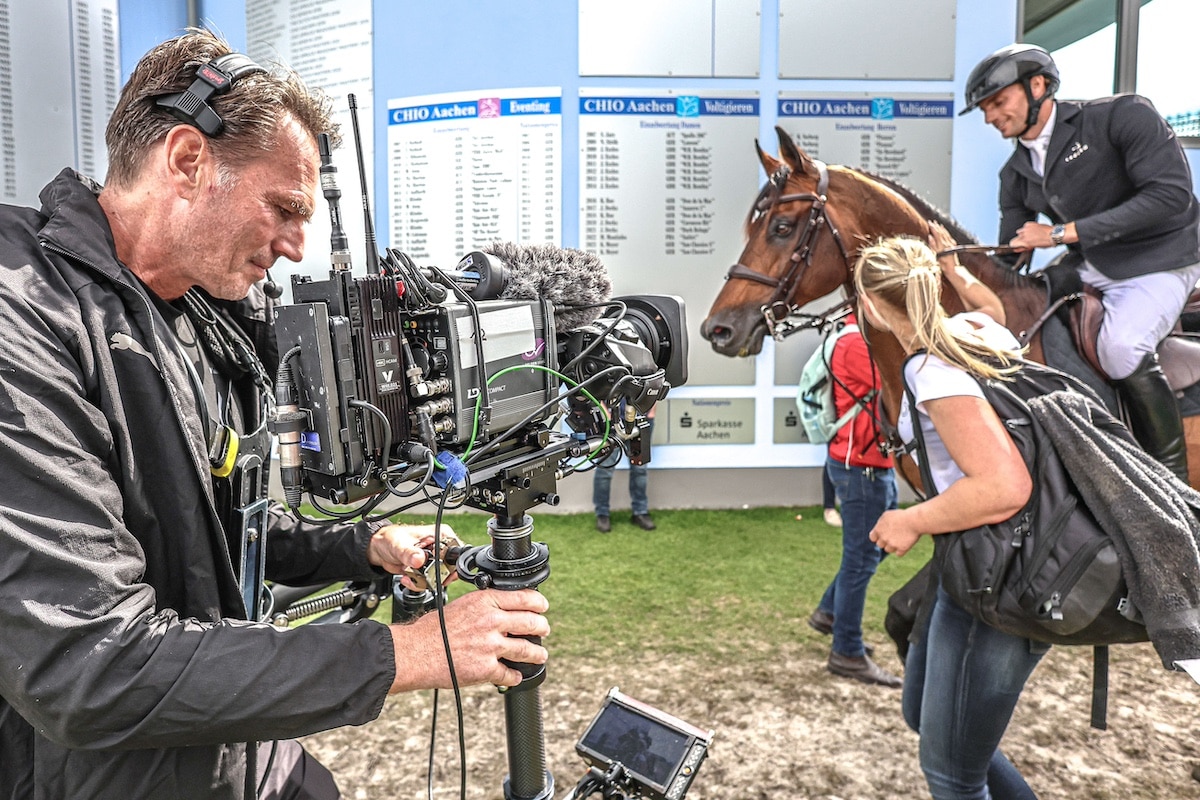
<point x="566" y="277"/>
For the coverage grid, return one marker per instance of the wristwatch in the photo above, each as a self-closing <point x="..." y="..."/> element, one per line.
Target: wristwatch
<point x="1057" y="234"/>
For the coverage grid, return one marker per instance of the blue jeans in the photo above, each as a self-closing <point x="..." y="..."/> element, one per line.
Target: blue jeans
<point x="961" y="684"/>
<point x="639" y="479"/>
<point x="828" y="493"/>
<point x="865" y="492"/>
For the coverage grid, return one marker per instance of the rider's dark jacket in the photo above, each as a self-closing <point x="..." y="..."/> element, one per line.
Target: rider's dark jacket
<point x="127" y="669"/>
<point x="1116" y="169"/>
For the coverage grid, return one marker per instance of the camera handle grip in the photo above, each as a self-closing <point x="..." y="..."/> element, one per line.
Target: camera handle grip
<point x="514" y="561"/>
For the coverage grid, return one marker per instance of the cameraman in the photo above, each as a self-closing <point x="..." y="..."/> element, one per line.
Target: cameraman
<point x="127" y="666"/>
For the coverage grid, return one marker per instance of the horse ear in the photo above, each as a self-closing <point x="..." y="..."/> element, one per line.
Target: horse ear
<point x="792" y="155"/>
<point x="770" y="164"/>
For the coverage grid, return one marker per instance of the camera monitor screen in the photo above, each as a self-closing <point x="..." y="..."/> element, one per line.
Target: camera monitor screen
<point x="658" y="750"/>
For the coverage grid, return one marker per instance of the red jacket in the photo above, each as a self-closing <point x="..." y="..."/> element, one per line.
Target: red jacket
<point x="857" y="443"/>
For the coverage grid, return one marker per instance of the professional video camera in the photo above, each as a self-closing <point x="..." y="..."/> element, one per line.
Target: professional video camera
<point x="461" y="378"/>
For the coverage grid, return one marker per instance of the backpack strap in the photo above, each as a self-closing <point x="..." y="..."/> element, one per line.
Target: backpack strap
<point x="860" y="403"/>
<point x="917" y="446"/>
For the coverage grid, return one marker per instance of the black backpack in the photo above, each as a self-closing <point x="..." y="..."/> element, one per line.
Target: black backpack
<point x="1048" y="573"/>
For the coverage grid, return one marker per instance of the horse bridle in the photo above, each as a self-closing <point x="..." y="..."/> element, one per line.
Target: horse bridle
<point x="779" y="308"/>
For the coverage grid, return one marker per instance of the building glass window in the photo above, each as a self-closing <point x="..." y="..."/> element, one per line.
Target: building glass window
<point x="1166" y="61"/>
<point x="1082" y="36"/>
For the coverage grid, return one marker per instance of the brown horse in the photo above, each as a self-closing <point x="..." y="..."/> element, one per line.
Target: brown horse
<point x="804" y="233"/>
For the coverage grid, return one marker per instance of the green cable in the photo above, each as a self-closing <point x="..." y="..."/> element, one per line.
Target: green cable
<point x="557" y="374"/>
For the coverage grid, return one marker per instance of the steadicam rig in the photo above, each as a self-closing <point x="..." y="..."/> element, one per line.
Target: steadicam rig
<point x="485" y="384"/>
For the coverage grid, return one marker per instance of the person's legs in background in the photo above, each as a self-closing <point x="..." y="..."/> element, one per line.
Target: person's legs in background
<point x="866" y="493"/>
<point x="639" y="482"/>
<point x="602" y="490"/>
<point x="821" y="620"/>
<point x="639" y="500"/>
<point x="829" y="501"/>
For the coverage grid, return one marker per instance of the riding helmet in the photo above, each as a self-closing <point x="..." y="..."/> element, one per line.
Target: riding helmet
<point x="1016" y="63"/>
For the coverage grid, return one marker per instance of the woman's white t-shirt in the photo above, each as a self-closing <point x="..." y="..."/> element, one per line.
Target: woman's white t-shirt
<point x="931" y="378"/>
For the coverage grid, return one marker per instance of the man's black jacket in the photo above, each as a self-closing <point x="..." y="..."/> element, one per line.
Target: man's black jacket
<point x="126" y="667"/>
<point x="1116" y="169"/>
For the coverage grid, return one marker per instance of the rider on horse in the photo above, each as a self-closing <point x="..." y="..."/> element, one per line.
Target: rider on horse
<point x="1113" y="179"/>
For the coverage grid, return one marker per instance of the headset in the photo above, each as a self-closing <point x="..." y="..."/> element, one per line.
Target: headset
<point x="191" y="106"/>
<point x="215" y="77"/>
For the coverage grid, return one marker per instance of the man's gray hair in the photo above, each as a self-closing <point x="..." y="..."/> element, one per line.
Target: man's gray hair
<point x="253" y="110"/>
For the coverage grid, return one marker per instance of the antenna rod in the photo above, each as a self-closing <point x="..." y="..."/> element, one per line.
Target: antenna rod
<point x="372" y="253"/>
<point x="339" y="245"/>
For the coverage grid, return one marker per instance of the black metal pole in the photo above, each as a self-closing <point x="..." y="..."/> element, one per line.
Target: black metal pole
<point x="514" y="561"/>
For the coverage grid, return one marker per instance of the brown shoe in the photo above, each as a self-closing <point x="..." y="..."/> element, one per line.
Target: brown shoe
<point x="821" y="622"/>
<point x="603" y="524"/>
<point x="643" y="521"/>
<point x="862" y="669"/>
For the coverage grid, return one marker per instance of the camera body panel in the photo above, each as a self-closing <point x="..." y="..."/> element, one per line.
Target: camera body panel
<point x="374" y="376"/>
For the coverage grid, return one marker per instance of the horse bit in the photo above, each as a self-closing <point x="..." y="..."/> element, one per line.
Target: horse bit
<point x="778" y="312"/>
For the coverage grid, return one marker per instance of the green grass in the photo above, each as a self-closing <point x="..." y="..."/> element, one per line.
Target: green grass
<point x="704" y="582"/>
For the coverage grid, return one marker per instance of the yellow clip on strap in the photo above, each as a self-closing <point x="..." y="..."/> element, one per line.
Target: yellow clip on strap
<point x="223" y="455"/>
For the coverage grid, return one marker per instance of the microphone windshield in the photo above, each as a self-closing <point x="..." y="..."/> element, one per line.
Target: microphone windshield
<point x="564" y="276"/>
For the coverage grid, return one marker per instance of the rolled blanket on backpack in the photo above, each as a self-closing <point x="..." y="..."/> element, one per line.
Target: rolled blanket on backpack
<point x="1150" y="515"/>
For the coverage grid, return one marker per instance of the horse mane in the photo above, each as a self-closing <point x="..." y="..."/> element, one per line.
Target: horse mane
<point x="928" y="210"/>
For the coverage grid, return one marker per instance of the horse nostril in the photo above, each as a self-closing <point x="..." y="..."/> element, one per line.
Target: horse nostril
<point x="718" y="334"/>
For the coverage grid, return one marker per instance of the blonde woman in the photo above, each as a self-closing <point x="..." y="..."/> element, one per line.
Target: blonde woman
<point x="974" y="673"/>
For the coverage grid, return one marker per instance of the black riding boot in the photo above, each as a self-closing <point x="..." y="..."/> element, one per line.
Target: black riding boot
<point x="1154" y="415"/>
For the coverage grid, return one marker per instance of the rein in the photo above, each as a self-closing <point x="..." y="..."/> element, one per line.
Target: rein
<point x="778" y="309"/>
<point x="1021" y="268"/>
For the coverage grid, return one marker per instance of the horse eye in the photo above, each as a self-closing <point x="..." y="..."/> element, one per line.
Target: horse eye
<point x="782" y="226"/>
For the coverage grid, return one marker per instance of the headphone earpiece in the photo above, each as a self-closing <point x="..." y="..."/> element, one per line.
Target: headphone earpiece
<point x="215" y="77"/>
<point x="272" y="289"/>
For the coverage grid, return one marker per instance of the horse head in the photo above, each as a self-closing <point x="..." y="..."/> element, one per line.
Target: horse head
<point x="803" y="233"/>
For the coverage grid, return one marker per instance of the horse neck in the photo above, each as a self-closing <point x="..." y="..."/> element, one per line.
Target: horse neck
<point x="889" y="357"/>
<point x="895" y="212"/>
<point x="867" y="211"/>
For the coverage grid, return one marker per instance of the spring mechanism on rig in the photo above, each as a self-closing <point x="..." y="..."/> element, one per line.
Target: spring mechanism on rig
<point x="342" y="598"/>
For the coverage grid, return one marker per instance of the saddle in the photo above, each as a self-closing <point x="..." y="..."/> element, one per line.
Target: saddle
<point x="1178" y="354"/>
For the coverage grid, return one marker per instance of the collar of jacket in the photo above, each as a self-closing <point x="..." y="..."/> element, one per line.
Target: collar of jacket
<point x="76" y="223"/>
<point x="1063" y="134"/>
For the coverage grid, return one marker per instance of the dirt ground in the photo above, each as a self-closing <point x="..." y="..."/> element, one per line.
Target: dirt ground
<point x="786" y="728"/>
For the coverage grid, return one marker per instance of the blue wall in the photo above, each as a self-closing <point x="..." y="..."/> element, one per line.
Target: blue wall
<point x="454" y="45"/>
<point x="145" y="24"/>
<point x="427" y="47"/>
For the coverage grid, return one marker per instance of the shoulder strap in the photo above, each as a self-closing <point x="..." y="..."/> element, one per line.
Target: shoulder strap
<point x="918" y="441"/>
<point x="860" y="403"/>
